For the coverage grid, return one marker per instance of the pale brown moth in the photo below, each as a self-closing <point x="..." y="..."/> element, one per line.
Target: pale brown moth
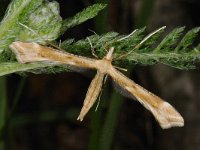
<point x="164" y="113"/>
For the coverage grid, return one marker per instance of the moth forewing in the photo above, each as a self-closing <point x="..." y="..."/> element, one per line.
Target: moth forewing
<point x="92" y="94"/>
<point x="164" y="113"/>
<point x="33" y="52"/>
<point x="27" y="52"/>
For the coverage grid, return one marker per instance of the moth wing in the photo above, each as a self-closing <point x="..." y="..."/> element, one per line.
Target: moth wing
<point x="92" y="94"/>
<point x="165" y="114"/>
<point x="27" y="52"/>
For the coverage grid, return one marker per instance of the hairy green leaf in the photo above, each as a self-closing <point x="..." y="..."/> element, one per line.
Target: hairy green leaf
<point x="88" y="13"/>
<point x="18" y="11"/>
<point x="42" y="25"/>
<point x="169" y="40"/>
<point x="187" y="40"/>
<point x="12" y="67"/>
<point x="38" y="21"/>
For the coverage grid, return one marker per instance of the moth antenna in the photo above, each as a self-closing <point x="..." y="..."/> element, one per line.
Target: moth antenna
<point x="149" y="35"/>
<point x="143" y="41"/>
<point x="123" y="38"/>
<point x="92" y="47"/>
<point x="95" y="34"/>
<point x="92" y="31"/>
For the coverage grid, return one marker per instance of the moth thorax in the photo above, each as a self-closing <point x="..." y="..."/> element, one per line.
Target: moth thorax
<point x="104" y="65"/>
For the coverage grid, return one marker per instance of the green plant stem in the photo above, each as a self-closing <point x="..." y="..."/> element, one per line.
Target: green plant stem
<point x="18" y="94"/>
<point x="11" y="110"/>
<point x="111" y="121"/>
<point x="2" y="109"/>
<point x="95" y="128"/>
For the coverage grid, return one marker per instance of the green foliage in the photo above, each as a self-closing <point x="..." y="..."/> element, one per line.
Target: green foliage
<point x="83" y="47"/>
<point x="170" y="51"/>
<point x="42" y="25"/>
<point x="39" y="21"/>
<point x="12" y="67"/>
<point x="136" y="49"/>
<point x="17" y="11"/>
<point x="82" y="16"/>
<point x="169" y="40"/>
<point x="187" y="40"/>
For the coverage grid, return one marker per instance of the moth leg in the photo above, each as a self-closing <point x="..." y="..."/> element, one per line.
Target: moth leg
<point x="104" y="82"/>
<point x="92" y="94"/>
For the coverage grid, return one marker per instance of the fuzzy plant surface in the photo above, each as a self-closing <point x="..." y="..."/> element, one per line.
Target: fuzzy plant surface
<point x="40" y="21"/>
